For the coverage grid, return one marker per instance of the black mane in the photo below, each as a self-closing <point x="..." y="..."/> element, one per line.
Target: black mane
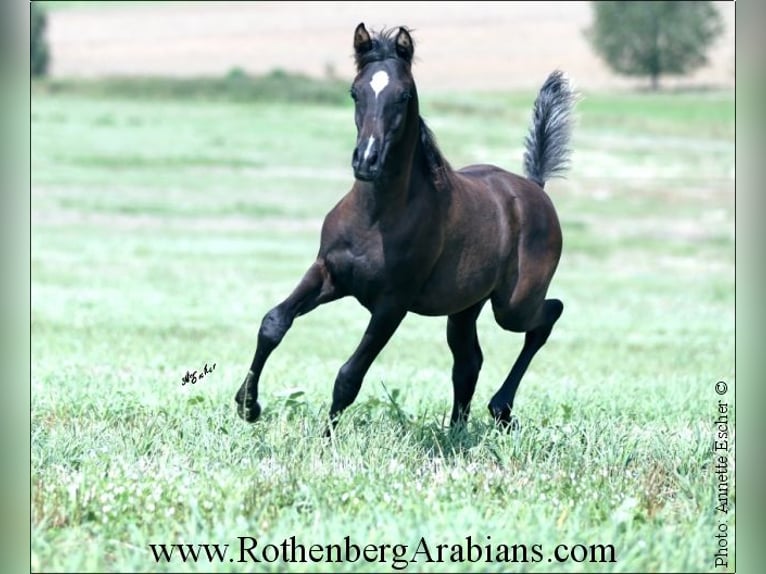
<point x="436" y="162"/>
<point x="383" y="47"/>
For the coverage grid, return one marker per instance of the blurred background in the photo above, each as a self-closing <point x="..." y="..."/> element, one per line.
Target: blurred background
<point x="460" y="45"/>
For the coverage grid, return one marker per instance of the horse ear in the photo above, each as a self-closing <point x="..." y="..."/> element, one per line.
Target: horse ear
<point x="404" y="44"/>
<point x="362" y="41"/>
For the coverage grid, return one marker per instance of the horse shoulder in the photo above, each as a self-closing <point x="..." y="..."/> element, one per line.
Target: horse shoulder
<point x="335" y="225"/>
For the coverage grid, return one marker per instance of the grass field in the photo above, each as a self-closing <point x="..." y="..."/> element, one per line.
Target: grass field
<point x="162" y="231"/>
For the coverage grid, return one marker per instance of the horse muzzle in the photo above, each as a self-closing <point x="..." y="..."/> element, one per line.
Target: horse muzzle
<point x="367" y="162"/>
<point x="368" y="176"/>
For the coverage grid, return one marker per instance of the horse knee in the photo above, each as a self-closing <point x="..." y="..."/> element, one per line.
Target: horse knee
<point x="347" y="384"/>
<point x="467" y="369"/>
<point x="467" y="356"/>
<point x="273" y="328"/>
<point x="475" y="360"/>
<point x="464" y="346"/>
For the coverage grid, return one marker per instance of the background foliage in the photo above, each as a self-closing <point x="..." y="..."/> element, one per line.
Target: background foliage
<point x="39" y="55"/>
<point x="654" y="38"/>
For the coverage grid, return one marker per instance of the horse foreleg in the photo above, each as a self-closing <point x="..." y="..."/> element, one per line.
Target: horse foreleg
<point x="463" y="341"/>
<point x="383" y="324"/>
<point x="501" y="404"/>
<point x="315" y="288"/>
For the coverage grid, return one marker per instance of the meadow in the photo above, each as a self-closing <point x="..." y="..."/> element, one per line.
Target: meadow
<point x="165" y="226"/>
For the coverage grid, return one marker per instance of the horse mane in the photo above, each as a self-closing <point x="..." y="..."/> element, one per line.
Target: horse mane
<point x="435" y="161"/>
<point x="383" y="48"/>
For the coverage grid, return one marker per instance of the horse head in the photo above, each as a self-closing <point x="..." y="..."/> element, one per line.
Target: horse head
<point x="385" y="100"/>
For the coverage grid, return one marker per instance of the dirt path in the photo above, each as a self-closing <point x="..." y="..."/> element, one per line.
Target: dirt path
<point x="478" y="45"/>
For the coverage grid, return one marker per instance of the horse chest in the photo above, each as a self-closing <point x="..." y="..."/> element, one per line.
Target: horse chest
<point x="358" y="267"/>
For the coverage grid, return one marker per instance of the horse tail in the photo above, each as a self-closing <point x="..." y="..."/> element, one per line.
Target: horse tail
<point x="547" y="144"/>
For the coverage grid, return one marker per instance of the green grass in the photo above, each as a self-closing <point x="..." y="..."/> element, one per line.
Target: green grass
<point x="162" y="231"/>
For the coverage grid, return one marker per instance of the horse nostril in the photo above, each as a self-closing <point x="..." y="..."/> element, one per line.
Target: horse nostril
<point x="373" y="158"/>
<point x="355" y="156"/>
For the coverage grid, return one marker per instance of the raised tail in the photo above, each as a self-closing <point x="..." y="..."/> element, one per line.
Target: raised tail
<point x="547" y="144"/>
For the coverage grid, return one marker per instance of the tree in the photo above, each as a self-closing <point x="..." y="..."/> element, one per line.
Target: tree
<point x="38" y="55"/>
<point x="654" y="38"/>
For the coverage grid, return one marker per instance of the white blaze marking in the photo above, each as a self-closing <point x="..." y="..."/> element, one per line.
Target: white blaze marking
<point x="369" y="146"/>
<point x="378" y="82"/>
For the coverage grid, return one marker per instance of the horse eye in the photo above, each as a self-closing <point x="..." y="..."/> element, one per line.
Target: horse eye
<point x="353" y="94"/>
<point x="405" y="96"/>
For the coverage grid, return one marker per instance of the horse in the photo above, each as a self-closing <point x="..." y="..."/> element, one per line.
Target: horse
<point x="415" y="235"/>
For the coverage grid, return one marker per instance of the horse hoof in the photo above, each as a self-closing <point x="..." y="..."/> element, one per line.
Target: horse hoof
<point x="512" y="425"/>
<point x="249" y="413"/>
<point x="503" y="418"/>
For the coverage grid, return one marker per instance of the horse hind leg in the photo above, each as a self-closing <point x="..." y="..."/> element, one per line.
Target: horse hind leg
<point x="542" y="324"/>
<point x="463" y="342"/>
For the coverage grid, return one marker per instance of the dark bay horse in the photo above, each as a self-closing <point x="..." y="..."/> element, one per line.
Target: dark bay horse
<point x="413" y="234"/>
